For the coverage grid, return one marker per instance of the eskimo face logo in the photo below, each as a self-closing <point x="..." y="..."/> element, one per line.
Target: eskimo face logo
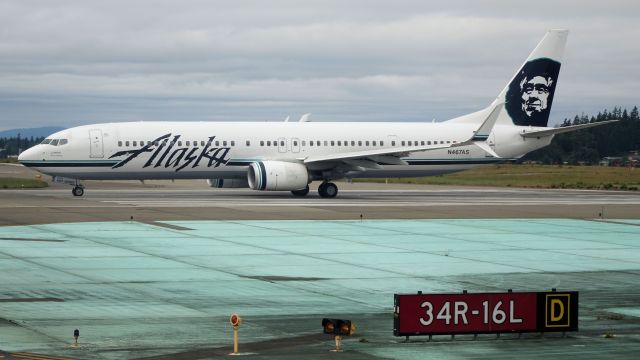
<point x="530" y="95"/>
<point x="535" y="94"/>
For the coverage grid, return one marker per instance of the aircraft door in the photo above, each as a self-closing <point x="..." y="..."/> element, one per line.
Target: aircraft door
<point x="96" y="144"/>
<point x="282" y="145"/>
<point x="295" y="145"/>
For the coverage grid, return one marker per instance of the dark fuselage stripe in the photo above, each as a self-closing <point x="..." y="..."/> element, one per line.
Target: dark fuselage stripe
<point x="69" y="164"/>
<point x="452" y="162"/>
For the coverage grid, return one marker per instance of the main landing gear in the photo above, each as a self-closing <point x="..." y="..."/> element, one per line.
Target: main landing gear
<point x="78" y="190"/>
<point x="301" y="192"/>
<point x="328" y="190"/>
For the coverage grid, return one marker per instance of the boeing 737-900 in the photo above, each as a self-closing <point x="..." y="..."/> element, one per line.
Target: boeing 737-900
<point x="287" y="156"/>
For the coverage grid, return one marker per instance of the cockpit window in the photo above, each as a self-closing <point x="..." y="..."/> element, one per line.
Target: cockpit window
<point x="63" y="142"/>
<point x="54" y="142"/>
<point x="45" y="141"/>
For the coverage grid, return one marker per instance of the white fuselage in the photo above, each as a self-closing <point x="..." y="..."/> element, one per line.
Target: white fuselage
<point x="211" y="150"/>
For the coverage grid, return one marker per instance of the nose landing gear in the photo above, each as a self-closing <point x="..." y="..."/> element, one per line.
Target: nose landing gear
<point x="78" y="190"/>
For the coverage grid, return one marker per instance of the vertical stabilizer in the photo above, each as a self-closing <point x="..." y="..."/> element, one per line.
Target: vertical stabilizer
<point x="529" y="95"/>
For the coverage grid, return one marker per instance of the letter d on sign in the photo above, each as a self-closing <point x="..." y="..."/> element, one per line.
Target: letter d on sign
<point x="557" y="310"/>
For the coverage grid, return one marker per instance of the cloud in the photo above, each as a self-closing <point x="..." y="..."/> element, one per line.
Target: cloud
<point x="72" y="62"/>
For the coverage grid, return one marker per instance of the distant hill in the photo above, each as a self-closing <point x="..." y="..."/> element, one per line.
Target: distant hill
<point x="27" y="133"/>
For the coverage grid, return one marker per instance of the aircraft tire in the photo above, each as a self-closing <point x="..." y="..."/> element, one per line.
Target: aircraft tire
<point x="301" y="192"/>
<point x="328" y="190"/>
<point x="77" y="191"/>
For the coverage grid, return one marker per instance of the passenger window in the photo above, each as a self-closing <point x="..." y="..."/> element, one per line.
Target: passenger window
<point x="422" y="143"/>
<point x="119" y="143"/>
<point x="402" y="142"/>
<point x="304" y="143"/>
<point x="374" y="143"/>
<point x="268" y="142"/>
<point x="224" y="143"/>
<point x="233" y="143"/>
<point x="310" y="142"/>
<point x="441" y="142"/>
<point x="429" y="142"/>
<point x="295" y="143"/>
<point x="126" y="143"/>
<point x="248" y="143"/>
<point x="339" y="143"/>
<point x="217" y="143"/>
<point x="359" y="142"/>
<point x="353" y="143"/>
<point x="381" y="143"/>
<point x="448" y="142"/>
<point x="201" y="142"/>
<point x="332" y="143"/>
<point x="186" y="143"/>
<point x="135" y="143"/>
<point x="454" y="141"/>
<point x="393" y="143"/>
<point x="366" y="143"/>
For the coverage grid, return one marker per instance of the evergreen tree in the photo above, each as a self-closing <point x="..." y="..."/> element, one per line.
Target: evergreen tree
<point x="592" y="144"/>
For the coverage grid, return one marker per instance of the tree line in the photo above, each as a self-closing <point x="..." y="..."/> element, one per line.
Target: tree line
<point x="592" y="144"/>
<point x="12" y="145"/>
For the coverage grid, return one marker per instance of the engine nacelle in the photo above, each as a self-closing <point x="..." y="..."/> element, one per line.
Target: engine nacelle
<point x="228" y="183"/>
<point x="277" y="175"/>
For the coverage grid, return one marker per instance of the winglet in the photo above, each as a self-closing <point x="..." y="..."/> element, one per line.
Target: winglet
<point x="484" y="130"/>
<point x="305" y="117"/>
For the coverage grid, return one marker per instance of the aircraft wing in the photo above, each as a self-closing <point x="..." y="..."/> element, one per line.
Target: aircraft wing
<point x="392" y="156"/>
<point x="560" y="130"/>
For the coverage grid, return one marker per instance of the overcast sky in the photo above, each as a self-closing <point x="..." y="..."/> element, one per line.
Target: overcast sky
<point x="77" y="62"/>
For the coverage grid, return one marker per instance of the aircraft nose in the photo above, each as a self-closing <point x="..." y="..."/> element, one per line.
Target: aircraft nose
<point x="28" y="155"/>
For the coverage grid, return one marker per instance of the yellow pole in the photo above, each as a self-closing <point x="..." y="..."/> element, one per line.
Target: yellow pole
<point x="338" y="339"/>
<point x="235" y="339"/>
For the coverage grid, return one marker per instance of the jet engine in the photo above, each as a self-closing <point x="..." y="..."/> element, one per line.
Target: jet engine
<point x="277" y="175"/>
<point x="228" y="183"/>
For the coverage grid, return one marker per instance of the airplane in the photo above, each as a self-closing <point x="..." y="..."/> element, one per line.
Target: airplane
<point x="289" y="155"/>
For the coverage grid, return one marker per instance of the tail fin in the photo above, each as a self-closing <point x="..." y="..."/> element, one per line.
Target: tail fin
<point x="529" y="95"/>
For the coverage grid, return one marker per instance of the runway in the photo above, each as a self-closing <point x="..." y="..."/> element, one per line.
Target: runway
<point x="372" y="201"/>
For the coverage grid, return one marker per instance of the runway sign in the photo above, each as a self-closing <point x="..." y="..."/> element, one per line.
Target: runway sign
<point x="448" y="314"/>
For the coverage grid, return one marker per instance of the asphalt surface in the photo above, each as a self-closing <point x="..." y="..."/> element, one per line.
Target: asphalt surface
<point x="186" y="200"/>
<point x="153" y="270"/>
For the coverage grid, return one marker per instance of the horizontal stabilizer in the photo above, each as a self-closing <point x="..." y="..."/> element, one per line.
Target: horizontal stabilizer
<point x="548" y="132"/>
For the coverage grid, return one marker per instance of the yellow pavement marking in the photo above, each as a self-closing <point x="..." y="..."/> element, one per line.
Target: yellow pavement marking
<point x="30" y="356"/>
